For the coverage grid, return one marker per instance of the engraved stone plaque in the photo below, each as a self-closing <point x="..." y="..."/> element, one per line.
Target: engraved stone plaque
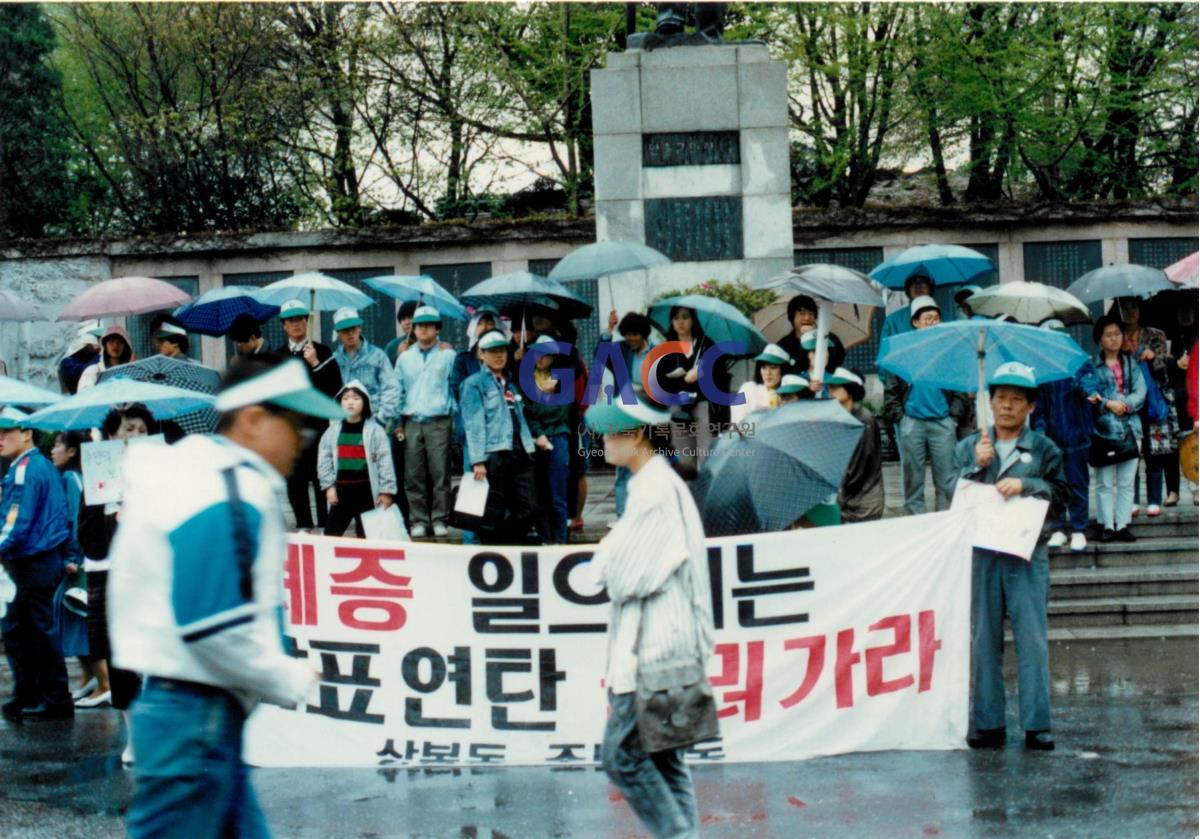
<point x="697" y="148"/>
<point x="695" y="229"/>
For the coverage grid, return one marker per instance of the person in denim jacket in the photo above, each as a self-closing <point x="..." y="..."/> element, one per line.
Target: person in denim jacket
<point x="499" y="445"/>
<point x="1018" y="462"/>
<point x="360" y="360"/>
<point x="1122" y="392"/>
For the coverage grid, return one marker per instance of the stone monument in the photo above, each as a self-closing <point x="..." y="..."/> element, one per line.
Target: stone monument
<point x="691" y="158"/>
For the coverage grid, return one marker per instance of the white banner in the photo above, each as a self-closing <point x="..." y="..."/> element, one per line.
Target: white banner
<point x="831" y="640"/>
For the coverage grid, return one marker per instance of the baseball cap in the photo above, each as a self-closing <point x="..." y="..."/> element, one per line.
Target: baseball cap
<point x="293" y="309"/>
<point x="346" y="318"/>
<point x="1014" y="374"/>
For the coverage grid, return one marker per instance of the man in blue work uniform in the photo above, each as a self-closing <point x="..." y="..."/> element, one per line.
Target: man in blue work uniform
<point x="33" y="506"/>
<point x="1018" y="462"/>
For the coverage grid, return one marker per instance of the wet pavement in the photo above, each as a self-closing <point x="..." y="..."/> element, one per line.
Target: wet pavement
<point x="1125" y="718"/>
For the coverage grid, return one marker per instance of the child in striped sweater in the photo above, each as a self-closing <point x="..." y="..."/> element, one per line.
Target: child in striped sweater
<point x="354" y="463"/>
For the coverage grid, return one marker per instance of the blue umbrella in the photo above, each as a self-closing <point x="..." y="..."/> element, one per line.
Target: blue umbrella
<point x="520" y="290"/>
<point x="944" y="264"/>
<point x="960" y="355"/>
<point x="719" y="320"/>
<point x="796" y="459"/>
<point x="323" y="293"/>
<point x="421" y="289"/>
<point x="600" y="259"/>
<point x="1119" y="281"/>
<point x="17" y="392"/>
<point x="213" y="312"/>
<point x="88" y="408"/>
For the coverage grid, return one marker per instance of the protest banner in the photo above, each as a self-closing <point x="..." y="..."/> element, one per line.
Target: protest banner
<point x="831" y="640"/>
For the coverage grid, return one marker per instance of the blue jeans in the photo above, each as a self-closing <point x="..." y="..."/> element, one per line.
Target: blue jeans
<point x="927" y="441"/>
<point x="551" y="472"/>
<point x="190" y="779"/>
<point x="657" y="786"/>
<point x="1007" y="584"/>
<point x="1075" y="465"/>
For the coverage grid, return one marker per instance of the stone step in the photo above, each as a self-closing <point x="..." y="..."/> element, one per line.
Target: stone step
<point x="1124" y="611"/>
<point x="1123" y="582"/>
<point x="1155" y="550"/>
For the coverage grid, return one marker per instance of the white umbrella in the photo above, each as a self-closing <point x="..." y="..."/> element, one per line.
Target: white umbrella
<point x="1029" y="303"/>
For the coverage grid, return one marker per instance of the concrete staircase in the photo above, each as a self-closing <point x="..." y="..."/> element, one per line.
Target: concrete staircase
<point x="1152" y="583"/>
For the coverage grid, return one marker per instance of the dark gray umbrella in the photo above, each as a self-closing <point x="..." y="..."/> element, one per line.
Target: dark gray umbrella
<point x="1119" y="281"/>
<point x="162" y="370"/>
<point x="796" y="459"/>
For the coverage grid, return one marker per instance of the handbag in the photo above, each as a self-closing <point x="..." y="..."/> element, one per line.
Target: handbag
<point x="1105" y="451"/>
<point x="1155" y="407"/>
<point x="673" y="702"/>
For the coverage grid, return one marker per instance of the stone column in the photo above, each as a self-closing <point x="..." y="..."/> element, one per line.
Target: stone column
<point x="691" y="158"/>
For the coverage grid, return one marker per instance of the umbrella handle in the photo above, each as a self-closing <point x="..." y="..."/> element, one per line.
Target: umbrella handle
<point x="822" y="357"/>
<point x="981" y="401"/>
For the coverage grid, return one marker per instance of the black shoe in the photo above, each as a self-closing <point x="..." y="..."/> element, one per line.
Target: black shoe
<point x="12" y="708"/>
<point x="987" y="738"/>
<point x="1124" y="535"/>
<point x="1039" y="741"/>
<point x="1107" y="535"/>
<point x="42" y="711"/>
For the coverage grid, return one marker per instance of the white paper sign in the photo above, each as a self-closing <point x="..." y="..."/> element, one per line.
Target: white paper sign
<point x="1009" y="526"/>
<point x="102" y="466"/>
<point x="385" y="525"/>
<point x="472" y="496"/>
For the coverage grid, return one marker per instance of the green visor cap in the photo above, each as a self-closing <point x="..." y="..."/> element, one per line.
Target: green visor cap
<point x="1014" y="374"/>
<point x="293" y="309"/>
<point x="774" y="354"/>
<point x="286" y="386"/>
<point x="10" y="417"/>
<point x="792" y="383"/>
<point x="493" y="340"/>
<point x="616" y="417"/>
<point x="426" y="314"/>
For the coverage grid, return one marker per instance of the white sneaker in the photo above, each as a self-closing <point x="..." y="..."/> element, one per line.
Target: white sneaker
<point x="440" y="529"/>
<point x="127" y="755"/>
<point x="1078" y="542"/>
<point x="1057" y="540"/>
<point x="1154" y="510"/>
<point x="418" y="531"/>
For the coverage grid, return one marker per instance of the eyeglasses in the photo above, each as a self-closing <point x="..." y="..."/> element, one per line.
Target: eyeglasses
<point x="297" y="421"/>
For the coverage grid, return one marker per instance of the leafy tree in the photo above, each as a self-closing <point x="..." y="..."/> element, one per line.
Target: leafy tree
<point x="177" y="108"/>
<point x="35" y="154"/>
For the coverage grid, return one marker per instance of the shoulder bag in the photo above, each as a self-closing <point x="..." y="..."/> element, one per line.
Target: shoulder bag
<point x="674" y="702"/>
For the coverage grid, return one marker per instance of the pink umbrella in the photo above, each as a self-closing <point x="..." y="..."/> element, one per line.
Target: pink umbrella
<point x="1184" y="271"/>
<point x="124" y="296"/>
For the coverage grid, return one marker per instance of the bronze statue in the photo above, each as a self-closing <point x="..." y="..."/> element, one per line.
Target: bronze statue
<point x="671" y="24"/>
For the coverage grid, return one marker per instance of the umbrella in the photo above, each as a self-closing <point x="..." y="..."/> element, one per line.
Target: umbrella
<point x="175" y="373"/>
<point x="830" y="285"/>
<point x="796" y="459"/>
<point x="944" y="264"/>
<point x="213" y="312"/>
<point x="849" y="321"/>
<point x="521" y="290"/>
<point x="1184" y="272"/>
<point x="88" y="408"/>
<point x="14" y="309"/>
<point x="1119" y="281"/>
<point x="124" y="296"/>
<point x="17" y="392"/>
<point x="961" y="354"/>
<point x="719" y="320"/>
<point x="424" y="290"/>
<point x="602" y="259"/>
<point x="1029" y="303"/>
<point x="324" y="293"/>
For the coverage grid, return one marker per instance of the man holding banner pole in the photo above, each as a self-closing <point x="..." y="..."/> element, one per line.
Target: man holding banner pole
<point x="1018" y="462"/>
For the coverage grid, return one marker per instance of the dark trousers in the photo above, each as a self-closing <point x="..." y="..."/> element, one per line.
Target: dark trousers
<point x="552" y="471"/>
<point x="303" y="477"/>
<point x="125" y="684"/>
<point x="31" y="639"/>
<point x="1075" y="466"/>
<point x="510" y="505"/>
<point x="353" y="500"/>
<point x="427" y="469"/>
<point x="401" y="499"/>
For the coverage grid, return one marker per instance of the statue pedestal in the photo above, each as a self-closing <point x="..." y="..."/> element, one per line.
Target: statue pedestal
<point x="691" y="158"/>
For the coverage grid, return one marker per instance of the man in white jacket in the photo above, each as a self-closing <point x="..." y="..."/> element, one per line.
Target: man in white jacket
<point x="195" y="600"/>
